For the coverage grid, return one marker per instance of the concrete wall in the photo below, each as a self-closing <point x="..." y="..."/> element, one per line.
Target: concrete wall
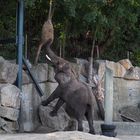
<point x="126" y="93"/>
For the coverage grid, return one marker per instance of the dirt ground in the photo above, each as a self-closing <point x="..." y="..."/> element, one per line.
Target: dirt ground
<point x="30" y="136"/>
<point x="129" y="137"/>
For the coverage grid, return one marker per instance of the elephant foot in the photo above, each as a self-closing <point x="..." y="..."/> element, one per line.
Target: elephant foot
<point x="92" y="132"/>
<point x="53" y="113"/>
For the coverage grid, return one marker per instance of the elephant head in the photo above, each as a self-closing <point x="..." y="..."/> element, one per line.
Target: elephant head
<point x="63" y="69"/>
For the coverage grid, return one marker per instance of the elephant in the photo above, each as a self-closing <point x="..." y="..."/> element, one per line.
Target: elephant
<point x="77" y="96"/>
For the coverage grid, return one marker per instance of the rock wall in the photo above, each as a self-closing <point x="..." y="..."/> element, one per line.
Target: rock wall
<point x="31" y="99"/>
<point x="126" y="92"/>
<point x="126" y="86"/>
<point x="8" y="71"/>
<point x="9" y="97"/>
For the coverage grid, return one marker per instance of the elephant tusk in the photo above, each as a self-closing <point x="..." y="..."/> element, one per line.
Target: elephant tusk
<point x="48" y="57"/>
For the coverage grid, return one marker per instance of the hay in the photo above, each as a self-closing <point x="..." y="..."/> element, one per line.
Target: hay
<point x="47" y="33"/>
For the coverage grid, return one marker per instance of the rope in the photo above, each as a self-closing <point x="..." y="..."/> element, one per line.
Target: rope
<point x="50" y="10"/>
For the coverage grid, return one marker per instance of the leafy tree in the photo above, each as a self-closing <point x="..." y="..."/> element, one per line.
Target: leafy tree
<point x="7" y="27"/>
<point x="113" y="24"/>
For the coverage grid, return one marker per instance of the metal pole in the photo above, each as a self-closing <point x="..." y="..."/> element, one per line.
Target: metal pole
<point x="20" y="43"/>
<point x="20" y="40"/>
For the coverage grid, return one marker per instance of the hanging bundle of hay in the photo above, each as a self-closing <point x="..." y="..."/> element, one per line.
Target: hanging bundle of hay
<point x="47" y="32"/>
<point x="47" y="29"/>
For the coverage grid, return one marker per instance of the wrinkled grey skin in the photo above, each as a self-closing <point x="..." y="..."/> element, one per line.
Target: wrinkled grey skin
<point x="76" y="95"/>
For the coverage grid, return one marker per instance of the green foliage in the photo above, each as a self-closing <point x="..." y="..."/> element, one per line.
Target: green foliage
<point x="30" y="3"/>
<point x="135" y="57"/>
<point x="115" y="24"/>
<point x="7" y="18"/>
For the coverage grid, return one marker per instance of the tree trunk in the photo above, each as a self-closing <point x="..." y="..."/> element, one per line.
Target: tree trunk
<point x="90" y="72"/>
<point x="90" y="81"/>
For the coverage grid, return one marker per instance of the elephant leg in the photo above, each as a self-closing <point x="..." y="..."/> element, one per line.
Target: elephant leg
<point x="38" y="52"/>
<point x="76" y="113"/>
<point x="59" y="103"/>
<point x="80" y="126"/>
<point x="89" y="117"/>
<point x="79" y="116"/>
<point x="53" y="96"/>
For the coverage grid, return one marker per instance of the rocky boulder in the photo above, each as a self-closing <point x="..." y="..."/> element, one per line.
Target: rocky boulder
<point x="25" y="77"/>
<point x="56" y="123"/>
<point x="8" y="71"/>
<point x="9" y="107"/>
<point x="117" y="68"/>
<point x="130" y="113"/>
<point x="126" y="63"/>
<point x="10" y="96"/>
<point x="132" y="74"/>
<point x="40" y="72"/>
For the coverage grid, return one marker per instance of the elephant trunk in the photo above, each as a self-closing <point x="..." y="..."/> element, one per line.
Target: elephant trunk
<point x="51" y="56"/>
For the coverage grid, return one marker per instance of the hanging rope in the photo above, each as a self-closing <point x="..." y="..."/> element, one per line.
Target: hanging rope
<point x="50" y="10"/>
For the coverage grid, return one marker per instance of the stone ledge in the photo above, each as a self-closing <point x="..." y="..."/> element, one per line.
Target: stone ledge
<point x="122" y="128"/>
